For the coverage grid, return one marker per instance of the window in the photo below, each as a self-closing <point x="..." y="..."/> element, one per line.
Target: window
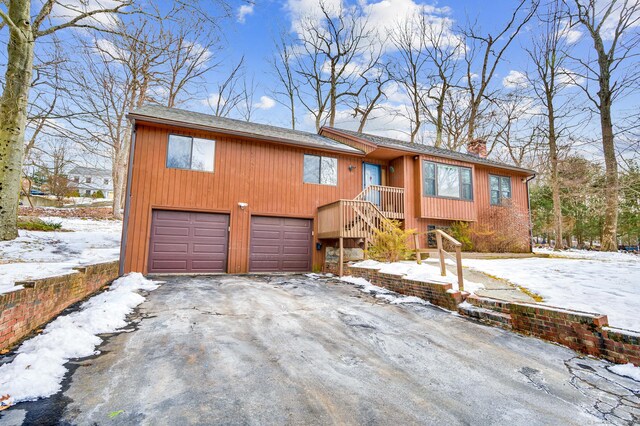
<point x="500" y="189"/>
<point x="106" y="181"/>
<point x="87" y="193"/>
<point x="322" y="170"/>
<point x="444" y="180"/>
<point x="76" y="179"/>
<point x="88" y="179"/>
<point x="185" y="152"/>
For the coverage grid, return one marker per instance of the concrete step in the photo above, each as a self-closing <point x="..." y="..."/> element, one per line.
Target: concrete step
<point x="485" y="315"/>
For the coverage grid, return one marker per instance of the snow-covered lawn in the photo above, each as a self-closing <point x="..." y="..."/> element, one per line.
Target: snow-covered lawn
<point x="37" y="254"/>
<point x="38" y="368"/>
<point x="607" y="283"/>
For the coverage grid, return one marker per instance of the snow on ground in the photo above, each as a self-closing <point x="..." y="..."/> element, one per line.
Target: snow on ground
<point x="37" y="254"/>
<point x="628" y="370"/>
<point x="606" y="283"/>
<point x="427" y="271"/>
<point x="382" y="293"/>
<point x="38" y="368"/>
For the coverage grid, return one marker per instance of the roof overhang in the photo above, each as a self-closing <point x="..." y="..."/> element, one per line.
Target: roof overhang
<point x="386" y="152"/>
<point x="132" y="116"/>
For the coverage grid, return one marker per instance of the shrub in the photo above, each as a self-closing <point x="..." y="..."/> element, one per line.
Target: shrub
<point x="37" y="224"/>
<point x="504" y="229"/>
<point x="391" y="244"/>
<point x="461" y="231"/>
<point x="98" y="194"/>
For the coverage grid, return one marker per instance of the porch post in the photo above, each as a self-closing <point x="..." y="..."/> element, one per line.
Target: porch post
<point x="341" y="257"/>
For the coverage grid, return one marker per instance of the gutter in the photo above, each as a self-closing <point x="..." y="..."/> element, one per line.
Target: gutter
<point x="178" y="123"/>
<point x="127" y="200"/>
<point x="529" y="179"/>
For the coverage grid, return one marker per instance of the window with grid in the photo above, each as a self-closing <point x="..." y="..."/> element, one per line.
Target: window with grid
<point x="499" y="188"/>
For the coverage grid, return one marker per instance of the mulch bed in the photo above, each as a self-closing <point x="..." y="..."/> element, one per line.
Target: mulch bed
<point x="99" y="213"/>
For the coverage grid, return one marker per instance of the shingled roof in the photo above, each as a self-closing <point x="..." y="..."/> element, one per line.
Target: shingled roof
<point x="418" y="148"/>
<point x="184" y="118"/>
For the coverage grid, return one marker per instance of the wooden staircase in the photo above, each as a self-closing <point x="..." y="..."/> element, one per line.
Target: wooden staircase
<point x="360" y="218"/>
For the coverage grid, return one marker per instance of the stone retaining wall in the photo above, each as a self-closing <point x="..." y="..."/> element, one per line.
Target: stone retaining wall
<point x="583" y="332"/>
<point x="24" y="310"/>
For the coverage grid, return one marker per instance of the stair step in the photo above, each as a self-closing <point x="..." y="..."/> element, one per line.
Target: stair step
<point x="484" y="315"/>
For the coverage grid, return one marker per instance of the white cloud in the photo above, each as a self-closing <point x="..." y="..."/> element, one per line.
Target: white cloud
<point x="65" y="10"/>
<point x="265" y="103"/>
<point x="213" y="100"/>
<point x="569" y="33"/>
<point x="515" y="80"/>
<point x="243" y="11"/>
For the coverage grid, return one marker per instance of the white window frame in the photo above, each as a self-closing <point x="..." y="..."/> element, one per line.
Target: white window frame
<point x="322" y="159"/>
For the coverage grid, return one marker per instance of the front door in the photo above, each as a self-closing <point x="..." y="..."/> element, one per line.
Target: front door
<point x="372" y="175"/>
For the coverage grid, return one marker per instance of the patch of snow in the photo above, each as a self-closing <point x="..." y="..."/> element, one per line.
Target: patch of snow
<point x="589" y="254"/>
<point x="627" y="370"/>
<point x="424" y="272"/>
<point x="382" y="293"/>
<point x="38" y="368"/>
<point x="37" y="254"/>
<point x="608" y="283"/>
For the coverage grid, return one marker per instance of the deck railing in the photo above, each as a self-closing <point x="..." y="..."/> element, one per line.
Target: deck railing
<point x="350" y="219"/>
<point x="388" y="199"/>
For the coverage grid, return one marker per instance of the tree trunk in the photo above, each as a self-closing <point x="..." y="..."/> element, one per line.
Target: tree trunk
<point x="610" y="227"/>
<point x="119" y="171"/>
<point x="13" y="114"/>
<point x="555" y="180"/>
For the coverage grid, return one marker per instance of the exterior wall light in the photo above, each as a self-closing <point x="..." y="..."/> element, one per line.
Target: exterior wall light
<point x="243" y="205"/>
<point x="352" y="167"/>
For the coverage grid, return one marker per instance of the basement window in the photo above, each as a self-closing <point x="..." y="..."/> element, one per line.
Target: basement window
<point x="186" y="152"/>
<point x="321" y="170"/>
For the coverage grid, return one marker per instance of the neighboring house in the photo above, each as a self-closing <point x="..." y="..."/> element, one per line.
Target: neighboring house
<point x="89" y="180"/>
<point x="210" y="194"/>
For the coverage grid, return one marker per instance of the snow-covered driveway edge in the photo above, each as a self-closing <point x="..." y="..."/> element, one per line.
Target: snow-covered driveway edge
<point x="39" y="366"/>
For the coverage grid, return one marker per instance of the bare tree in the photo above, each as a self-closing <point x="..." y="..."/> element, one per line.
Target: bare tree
<point x="443" y="49"/>
<point x="483" y="53"/>
<point x="548" y="57"/>
<point x="25" y="30"/>
<point x="370" y="94"/>
<point x="229" y="94"/>
<point x="610" y="28"/>
<point x="282" y="64"/>
<point x="334" y="53"/>
<point x="410" y="69"/>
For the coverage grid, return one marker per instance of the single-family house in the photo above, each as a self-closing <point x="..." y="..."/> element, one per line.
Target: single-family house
<point x="209" y="194"/>
<point x="89" y="180"/>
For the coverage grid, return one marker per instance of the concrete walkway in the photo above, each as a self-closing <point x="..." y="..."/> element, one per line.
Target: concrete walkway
<point x="260" y="350"/>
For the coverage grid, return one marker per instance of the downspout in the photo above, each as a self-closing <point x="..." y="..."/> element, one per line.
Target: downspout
<point x="127" y="200"/>
<point x="530" y="178"/>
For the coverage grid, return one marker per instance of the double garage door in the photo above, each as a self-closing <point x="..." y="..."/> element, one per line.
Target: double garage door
<point x="193" y="242"/>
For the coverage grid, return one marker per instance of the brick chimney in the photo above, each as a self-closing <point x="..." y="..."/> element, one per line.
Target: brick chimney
<point x="477" y="147"/>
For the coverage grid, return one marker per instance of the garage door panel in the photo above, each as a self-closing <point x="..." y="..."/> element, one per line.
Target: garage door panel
<point x="188" y="242"/>
<point x="280" y="244"/>
<point x="170" y="248"/>
<point x="168" y="265"/>
<point x="171" y="215"/>
<point x="210" y="232"/>
<point x="171" y="230"/>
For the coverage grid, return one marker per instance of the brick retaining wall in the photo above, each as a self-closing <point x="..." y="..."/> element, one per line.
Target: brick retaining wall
<point x="26" y="309"/>
<point x="583" y="332"/>
<point x="440" y="294"/>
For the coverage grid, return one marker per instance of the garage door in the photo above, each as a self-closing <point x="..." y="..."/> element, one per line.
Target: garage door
<point x="188" y="242"/>
<point x="280" y="244"/>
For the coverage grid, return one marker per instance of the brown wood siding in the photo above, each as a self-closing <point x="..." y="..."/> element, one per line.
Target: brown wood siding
<point x="265" y="175"/>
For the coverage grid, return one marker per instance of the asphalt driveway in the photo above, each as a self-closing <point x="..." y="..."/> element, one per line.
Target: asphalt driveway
<point x="293" y="350"/>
